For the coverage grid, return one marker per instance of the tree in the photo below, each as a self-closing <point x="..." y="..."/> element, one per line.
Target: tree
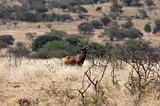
<point x="85" y="28"/>
<point x="105" y="20"/>
<point x="143" y="14"/>
<point x="133" y="33"/>
<point x="128" y="24"/>
<point x="41" y="40"/>
<point x="6" y="40"/>
<point x="130" y="2"/>
<point x="147" y="28"/>
<point x="116" y="7"/>
<point x="149" y="2"/>
<point x="96" y="50"/>
<point x="96" y="24"/>
<point x="113" y="31"/>
<point x="157" y="25"/>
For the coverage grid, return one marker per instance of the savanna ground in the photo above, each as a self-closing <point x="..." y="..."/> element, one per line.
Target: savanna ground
<point x="50" y="82"/>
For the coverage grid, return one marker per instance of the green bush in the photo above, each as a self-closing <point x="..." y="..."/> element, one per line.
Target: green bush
<point x="96" y="50"/>
<point x="115" y="7"/>
<point x="131" y="2"/>
<point x="114" y="31"/>
<point x="74" y="41"/>
<point x="6" y="40"/>
<point x="104" y="1"/>
<point x="3" y="45"/>
<point x="147" y="28"/>
<point x="75" y="44"/>
<point x="78" y="9"/>
<point x="37" y="5"/>
<point x="128" y="24"/>
<point x="105" y="20"/>
<point x="143" y="14"/>
<point x="98" y="8"/>
<point x="96" y="24"/>
<point x="50" y="36"/>
<point x="137" y="45"/>
<point x="33" y="12"/>
<point x="149" y="2"/>
<point x="85" y="28"/>
<point x="56" y="48"/>
<point x="134" y="33"/>
<point x="41" y="40"/>
<point x="157" y="25"/>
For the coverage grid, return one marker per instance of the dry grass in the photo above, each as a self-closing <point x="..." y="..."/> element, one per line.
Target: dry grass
<point x="50" y="83"/>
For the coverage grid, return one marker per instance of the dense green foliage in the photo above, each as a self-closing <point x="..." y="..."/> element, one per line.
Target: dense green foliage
<point x="96" y="24"/>
<point x="143" y="14"/>
<point x="6" y="40"/>
<point x="115" y="31"/>
<point x="41" y="40"/>
<point x="149" y="2"/>
<point x="128" y="24"/>
<point x="116" y="7"/>
<point x="105" y="20"/>
<point x="32" y="11"/>
<point x="85" y="28"/>
<point x="147" y="28"/>
<point x="157" y="25"/>
<point x="55" y="48"/>
<point x="131" y="2"/>
<point x="137" y="45"/>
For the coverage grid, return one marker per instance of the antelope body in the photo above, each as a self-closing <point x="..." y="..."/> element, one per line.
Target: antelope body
<point x="77" y="59"/>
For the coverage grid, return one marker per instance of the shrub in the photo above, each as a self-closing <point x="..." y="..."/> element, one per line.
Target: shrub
<point x="35" y="11"/>
<point x="137" y="45"/>
<point x="147" y="28"/>
<point x="113" y="15"/>
<point x="78" y="9"/>
<point x="114" y="31"/>
<point x="131" y="2"/>
<point x="56" y="48"/>
<point x="20" y="50"/>
<point x="134" y="33"/>
<point x="96" y="50"/>
<point x="128" y="24"/>
<point x="3" y="45"/>
<point x="98" y="8"/>
<point x="157" y="25"/>
<point x="143" y="14"/>
<point x="58" y="33"/>
<point x="6" y="40"/>
<point x="96" y="24"/>
<point x="74" y="41"/>
<point x="85" y="28"/>
<point x="149" y="2"/>
<point x="41" y="40"/>
<point x="38" y="6"/>
<point x="105" y="20"/>
<point x="103" y="1"/>
<point x="75" y="44"/>
<point x="115" y="7"/>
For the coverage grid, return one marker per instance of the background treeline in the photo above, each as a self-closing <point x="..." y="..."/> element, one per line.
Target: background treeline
<point x="59" y="43"/>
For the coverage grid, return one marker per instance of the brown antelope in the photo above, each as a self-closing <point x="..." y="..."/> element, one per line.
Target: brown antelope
<point x="77" y="59"/>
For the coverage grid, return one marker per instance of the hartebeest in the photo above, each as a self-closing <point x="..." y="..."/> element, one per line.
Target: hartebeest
<point x="77" y="59"/>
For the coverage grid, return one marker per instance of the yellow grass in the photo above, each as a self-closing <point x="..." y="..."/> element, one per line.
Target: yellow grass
<point x="35" y="79"/>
